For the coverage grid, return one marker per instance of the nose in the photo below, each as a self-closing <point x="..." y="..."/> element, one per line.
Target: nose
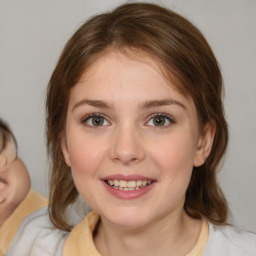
<point x="127" y="146"/>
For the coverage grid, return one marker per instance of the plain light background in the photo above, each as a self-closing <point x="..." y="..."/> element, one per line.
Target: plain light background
<point x="33" y="32"/>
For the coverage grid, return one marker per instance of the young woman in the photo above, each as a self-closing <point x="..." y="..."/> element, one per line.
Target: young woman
<point x="135" y="125"/>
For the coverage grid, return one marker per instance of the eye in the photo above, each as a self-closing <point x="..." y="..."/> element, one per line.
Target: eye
<point x="160" y="120"/>
<point x="95" y="120"/>
<point x="2" y="180"/>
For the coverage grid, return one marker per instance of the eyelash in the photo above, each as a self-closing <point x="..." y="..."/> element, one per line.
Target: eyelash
<point x="93" y="115"/>
<point x="167" y="117"/>
<point x="162" y="115"/>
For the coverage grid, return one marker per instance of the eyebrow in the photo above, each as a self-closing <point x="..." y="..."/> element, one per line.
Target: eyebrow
<point x="93" y="103"/>
<point x="146" y="105"/>
<point x="164" y="102"/>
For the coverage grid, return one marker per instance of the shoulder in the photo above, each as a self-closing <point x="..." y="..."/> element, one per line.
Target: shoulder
<point x="37" y="236"/>
<point x="229" y="240"/>
<point x="81" y="237"/>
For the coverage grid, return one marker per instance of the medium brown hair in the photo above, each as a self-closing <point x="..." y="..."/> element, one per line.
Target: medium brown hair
<point x="185" y="57"/>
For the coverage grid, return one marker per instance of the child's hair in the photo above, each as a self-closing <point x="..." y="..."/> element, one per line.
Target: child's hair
<point x="6" y="136"/>
<point x="186" y="59"/>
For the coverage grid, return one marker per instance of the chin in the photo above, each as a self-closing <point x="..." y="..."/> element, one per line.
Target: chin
<point x="128" y="219"/>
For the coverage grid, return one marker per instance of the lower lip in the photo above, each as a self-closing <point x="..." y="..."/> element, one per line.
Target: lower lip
<point x="128" y="194"/>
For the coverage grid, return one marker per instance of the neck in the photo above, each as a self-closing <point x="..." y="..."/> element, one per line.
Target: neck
<point x="168" y="235"/>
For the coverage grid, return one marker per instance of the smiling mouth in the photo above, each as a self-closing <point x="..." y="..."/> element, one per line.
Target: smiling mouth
<point x="128" y="185"/>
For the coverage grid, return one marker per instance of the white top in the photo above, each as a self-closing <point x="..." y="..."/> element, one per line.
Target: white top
<point x="38" y="237"/>
<point x="229" y="241"/>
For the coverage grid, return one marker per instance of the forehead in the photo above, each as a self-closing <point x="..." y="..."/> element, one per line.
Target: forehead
<point x="127" y="64"/>
<point x="162" y="63"/>
<point x="122" y="79"/>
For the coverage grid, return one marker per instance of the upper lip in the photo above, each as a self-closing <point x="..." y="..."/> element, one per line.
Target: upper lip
<point x="126" y="177"/>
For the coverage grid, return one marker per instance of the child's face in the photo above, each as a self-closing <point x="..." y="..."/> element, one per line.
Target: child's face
<point x="14" y="181"/>
<point x="126" y="125"/>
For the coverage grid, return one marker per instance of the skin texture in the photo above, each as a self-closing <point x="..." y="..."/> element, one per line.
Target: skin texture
<point x="129" y="143"/>
<point x="14" y="181"/>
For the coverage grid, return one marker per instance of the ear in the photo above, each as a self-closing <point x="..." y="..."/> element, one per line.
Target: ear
<point x="204" y="145"/>
<point x="65" y="152"/>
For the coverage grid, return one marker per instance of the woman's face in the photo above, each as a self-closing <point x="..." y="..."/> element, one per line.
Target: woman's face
<point x="132" y="141"/>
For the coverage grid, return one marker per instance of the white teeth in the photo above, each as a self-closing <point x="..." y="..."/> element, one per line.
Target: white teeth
<point x="129" y="185"/>
<point x="132" y="184"/>
<point x="144" y="183"/>
<point x="122" y="183"/>
<point x="111" y="182"/>
<point x="139" y="183"/>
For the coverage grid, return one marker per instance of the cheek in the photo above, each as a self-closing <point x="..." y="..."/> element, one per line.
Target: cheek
<point x="175" y="162"/>
<point x="177" y="153"/>
<point x="85" y="155"/>
<point x="20" y="180"/>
